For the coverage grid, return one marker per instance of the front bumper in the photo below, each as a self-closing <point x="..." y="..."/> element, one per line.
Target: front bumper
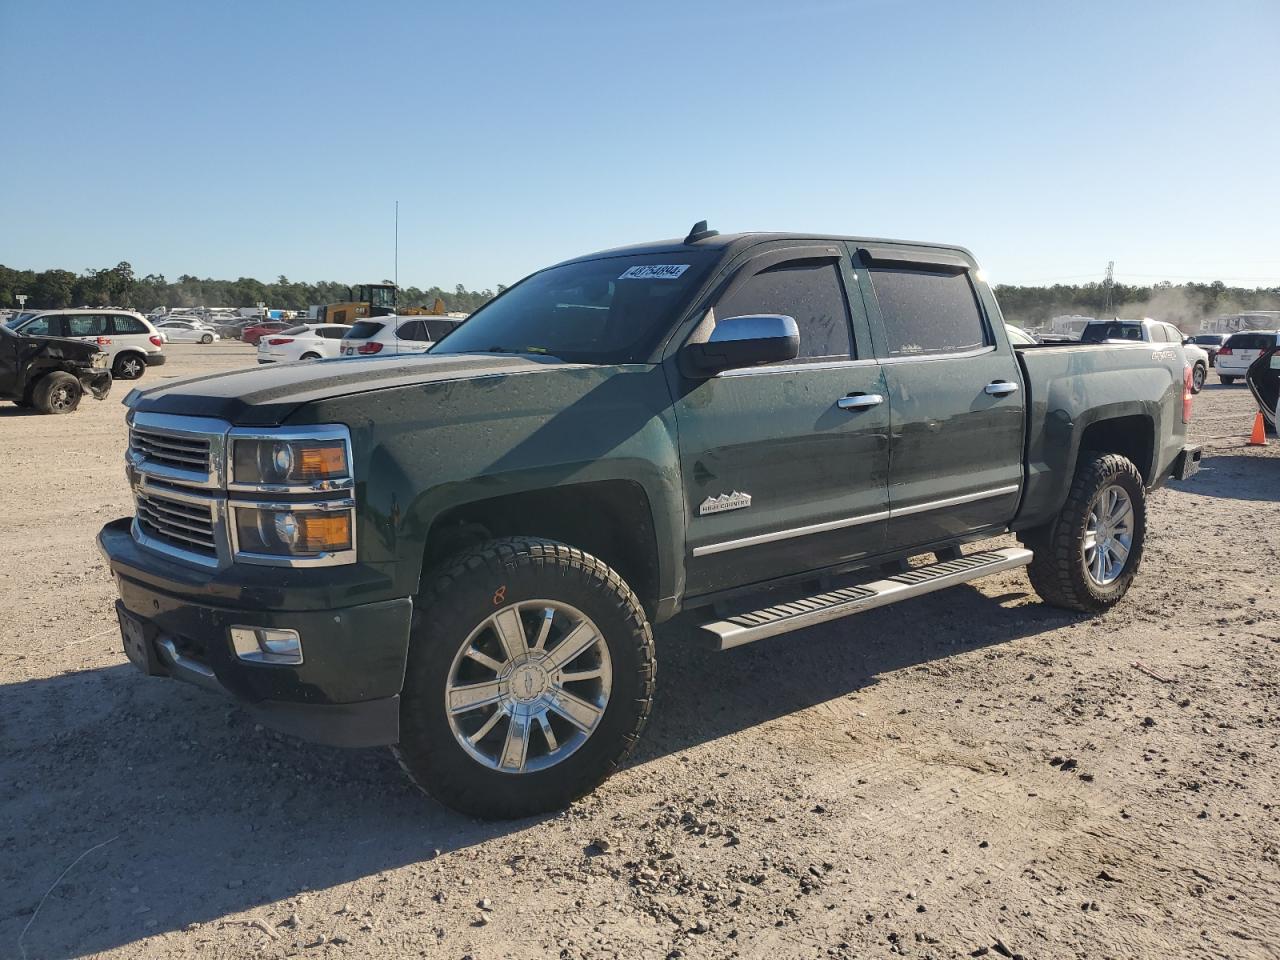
<point x="344" y="693"/>
<point x="155" y="359"/>
<point x="96" y="384"/>
<point x="1187" y="463"/>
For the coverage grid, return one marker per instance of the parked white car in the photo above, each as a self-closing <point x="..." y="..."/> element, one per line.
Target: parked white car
<point x="128" y="338"/>
<point x="1237" y="355"/>
<point x="384" y="335"/>
<point x="186" y="331"/>
<point x="1148" y="330"/>
<point x="307" y="341"/>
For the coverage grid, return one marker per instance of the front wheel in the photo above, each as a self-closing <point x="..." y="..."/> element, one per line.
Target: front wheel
<point x="1087" y="557"/>
<point x="57" y="392"/>
<point x="1227" y="381"/>
<point x="530" y="678"/>
<point x="206" y="338"/>
<point x="1198" y="374"/>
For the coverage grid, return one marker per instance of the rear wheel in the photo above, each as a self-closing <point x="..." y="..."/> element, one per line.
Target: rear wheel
<point x="530" y="677"/>
<point x="1086" y="558"/>
<point x="57" y="392"/>
<point x="1227" y="381"/>
<point x="128" y="366"/>
<point x="310" y="356"/>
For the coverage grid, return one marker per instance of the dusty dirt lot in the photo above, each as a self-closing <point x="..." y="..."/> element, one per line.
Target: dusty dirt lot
<point x="974" y="774"/>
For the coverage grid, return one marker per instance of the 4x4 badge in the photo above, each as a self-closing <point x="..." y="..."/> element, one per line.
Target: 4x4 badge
<point x="726" y="501"/>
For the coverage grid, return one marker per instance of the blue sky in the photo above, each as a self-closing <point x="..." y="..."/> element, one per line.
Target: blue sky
<point x="263" y="138"/>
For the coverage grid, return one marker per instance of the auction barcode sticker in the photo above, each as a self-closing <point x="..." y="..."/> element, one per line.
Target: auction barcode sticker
<point x="655" y="271"/>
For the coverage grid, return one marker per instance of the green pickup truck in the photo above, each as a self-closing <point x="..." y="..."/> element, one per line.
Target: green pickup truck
<point x="462" y="554"/>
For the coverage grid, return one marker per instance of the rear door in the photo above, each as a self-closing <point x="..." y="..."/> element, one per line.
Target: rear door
<point x="779" y="477"/>
<point x="412" y="337"/>
<point x="955" y="397"/>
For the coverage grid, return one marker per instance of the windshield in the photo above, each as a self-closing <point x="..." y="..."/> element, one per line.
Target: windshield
<point x="363" y="330"/>
<point x="611" y="310"/>
<point x="17" y="318"/>
<point x="1097" y="332"/>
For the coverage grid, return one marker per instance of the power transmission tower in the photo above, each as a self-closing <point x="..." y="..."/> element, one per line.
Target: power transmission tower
<point x="1108" y="283"/>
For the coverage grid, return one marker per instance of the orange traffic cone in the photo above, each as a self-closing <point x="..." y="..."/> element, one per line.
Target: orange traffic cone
<point x="1259" y="436"/>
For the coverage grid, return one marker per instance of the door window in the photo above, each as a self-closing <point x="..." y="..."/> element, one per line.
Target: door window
<point x="122" y="324"/>
<point x="413" y="330"/>
<point x="809" y="291"/>
<point x="44" y="327"/>
<point x="439" y="329"/>
<point x="86" y="325"/>
<point x="928" y="312"/>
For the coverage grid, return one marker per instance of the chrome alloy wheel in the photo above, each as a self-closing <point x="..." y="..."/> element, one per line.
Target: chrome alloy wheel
<point x="535" y="664"/>
<point x="1108" y="535"/>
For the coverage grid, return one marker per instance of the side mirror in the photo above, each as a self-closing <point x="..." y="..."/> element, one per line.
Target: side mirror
<point x="749" y="341"/>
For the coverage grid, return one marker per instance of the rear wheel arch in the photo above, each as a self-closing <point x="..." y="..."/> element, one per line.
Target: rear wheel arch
<point x="126" y="362"/>
<point x="1132" y="436"/>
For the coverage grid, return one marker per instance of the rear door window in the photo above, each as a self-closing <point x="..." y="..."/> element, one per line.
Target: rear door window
<point x="928" y="312"/>
<point x="439" y="329"/>
<point x="810" y="291"/>
<point x="414" y="330"/>
<point x="332" y="333"/>
<point x="363" y="330"/>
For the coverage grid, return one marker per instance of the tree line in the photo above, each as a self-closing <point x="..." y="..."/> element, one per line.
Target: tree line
<point x="1185" y="304"/>
<point x="119" y="286"/>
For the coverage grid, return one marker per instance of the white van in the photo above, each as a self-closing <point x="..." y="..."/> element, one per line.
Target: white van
<point x="128" y="338"/>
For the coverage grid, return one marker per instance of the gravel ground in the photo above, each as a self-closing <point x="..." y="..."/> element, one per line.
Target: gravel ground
<point x="971" y="774"/>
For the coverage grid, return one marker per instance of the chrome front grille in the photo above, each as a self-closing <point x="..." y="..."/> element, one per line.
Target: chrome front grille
<point x="169" y="449"/>
<point x="186" y="503"/>
<point x="187" y="525"/>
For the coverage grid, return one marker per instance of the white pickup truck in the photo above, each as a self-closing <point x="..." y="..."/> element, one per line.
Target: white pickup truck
<point x="1147" y="330"/>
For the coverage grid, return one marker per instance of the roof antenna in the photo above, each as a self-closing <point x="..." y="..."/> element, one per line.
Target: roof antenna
<point x="700" y="232"/>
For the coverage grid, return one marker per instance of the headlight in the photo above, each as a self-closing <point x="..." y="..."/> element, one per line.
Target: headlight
<point x="285" y="531"/>
<point x="321" y="460"/>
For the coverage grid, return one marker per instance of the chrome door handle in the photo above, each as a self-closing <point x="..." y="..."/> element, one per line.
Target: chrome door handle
<point x="1000" y="388"/>
<point x="860" y="401"/>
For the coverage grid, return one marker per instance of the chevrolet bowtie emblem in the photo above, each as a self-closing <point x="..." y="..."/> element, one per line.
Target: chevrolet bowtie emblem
<point x="726" y="501"/>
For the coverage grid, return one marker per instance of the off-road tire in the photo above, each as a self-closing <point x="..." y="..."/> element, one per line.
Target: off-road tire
<point x="1198" y="376"/>
<point x="128" y="366"/>
<point x="1057" y="571"/>
<point x="1227" y="381"/>
<point x="454" y="600"/>
<point x="57" y="392"/>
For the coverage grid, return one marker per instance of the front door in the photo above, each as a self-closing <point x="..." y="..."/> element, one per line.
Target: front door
<point x="956" y="397"/>
<point x="780" y="477"/>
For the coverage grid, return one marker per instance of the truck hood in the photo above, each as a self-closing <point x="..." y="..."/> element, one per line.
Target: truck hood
<point x="268" y="394"/>
<point x="61" y="348"/>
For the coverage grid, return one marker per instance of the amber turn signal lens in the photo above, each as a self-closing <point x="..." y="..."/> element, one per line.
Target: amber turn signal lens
<point x="325" y="532"/>
<point x="322" y="462"/>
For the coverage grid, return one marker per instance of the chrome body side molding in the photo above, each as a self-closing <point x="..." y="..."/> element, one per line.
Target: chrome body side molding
<point x="710" y="548"/>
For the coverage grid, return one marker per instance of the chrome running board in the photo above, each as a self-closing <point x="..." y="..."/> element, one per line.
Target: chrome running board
<point x="798" y="614"/>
